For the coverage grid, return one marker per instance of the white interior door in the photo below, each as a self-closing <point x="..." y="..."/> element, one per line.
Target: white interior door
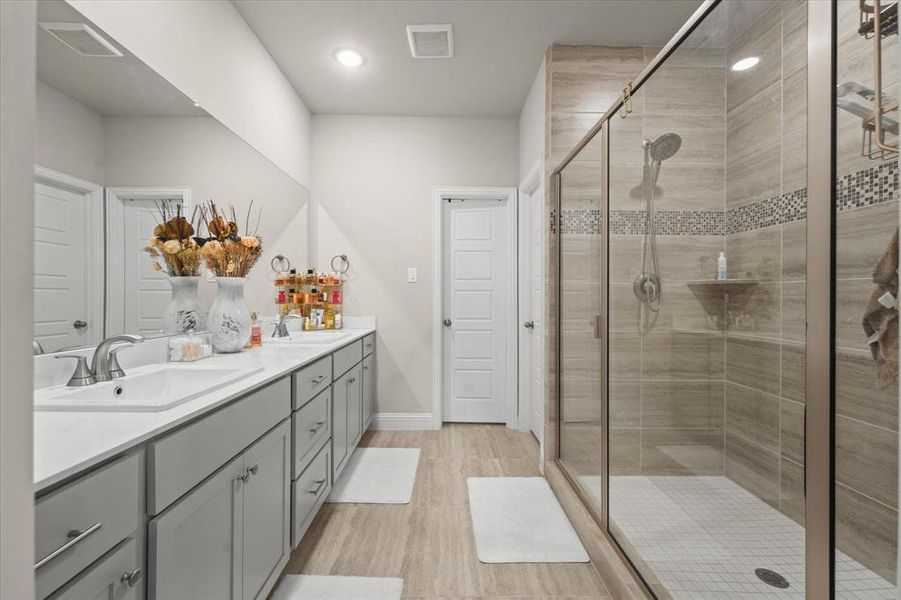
<point x="536" y="318"/>
<point x="64" y="273"/>
<point x="476" y="299"/>
<point x="146" y="291"/>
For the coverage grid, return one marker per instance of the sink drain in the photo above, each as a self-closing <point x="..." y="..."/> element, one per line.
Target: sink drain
<point x="771" y="578"/>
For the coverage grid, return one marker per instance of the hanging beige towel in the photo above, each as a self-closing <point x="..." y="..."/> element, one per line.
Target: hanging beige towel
<point x="880" y="319"/>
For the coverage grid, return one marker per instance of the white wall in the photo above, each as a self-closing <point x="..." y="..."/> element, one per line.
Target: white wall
<point x="17" y="99"/>
<point x="373" y="180"/>
<point x="206" y="50"/>
<point x="200" y="153"/>
<point x="531" y="125"/>
<point x="68" y="135"/>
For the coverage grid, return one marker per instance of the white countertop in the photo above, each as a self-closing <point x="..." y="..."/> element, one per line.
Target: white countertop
<point x="66" y="443"/>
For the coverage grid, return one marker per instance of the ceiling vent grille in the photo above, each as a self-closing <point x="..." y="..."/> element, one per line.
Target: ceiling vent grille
<point x="81" y="38"/>
<point x="431" y="41"/>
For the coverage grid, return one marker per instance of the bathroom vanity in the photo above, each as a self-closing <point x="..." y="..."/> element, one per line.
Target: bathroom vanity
<point x="208" y="498"/>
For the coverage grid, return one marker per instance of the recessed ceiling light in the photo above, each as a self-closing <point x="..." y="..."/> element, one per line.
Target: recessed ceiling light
<point x="349" y="58"/>
<point x="745" y="63"/>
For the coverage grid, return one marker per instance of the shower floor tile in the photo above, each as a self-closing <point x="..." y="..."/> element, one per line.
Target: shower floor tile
<point x="703" y="537"/>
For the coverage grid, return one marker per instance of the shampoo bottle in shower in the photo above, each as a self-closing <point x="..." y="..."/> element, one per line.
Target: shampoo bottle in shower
<point x="722" y="272"/>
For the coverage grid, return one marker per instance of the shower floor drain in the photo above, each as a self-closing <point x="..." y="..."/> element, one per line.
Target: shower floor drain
<point x="771" y="578"/>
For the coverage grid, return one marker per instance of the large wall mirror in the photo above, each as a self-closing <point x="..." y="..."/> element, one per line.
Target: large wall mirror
<point x="114" y="141"/>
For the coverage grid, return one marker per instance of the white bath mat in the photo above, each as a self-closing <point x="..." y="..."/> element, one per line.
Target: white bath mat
<point x="519" y="520"/>
<point x="329" y="587"/>
<point x="377" y="476"/>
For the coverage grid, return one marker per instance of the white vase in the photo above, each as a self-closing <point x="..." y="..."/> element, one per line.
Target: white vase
<point x="229" y="319"/>
<point x="184" y="311"/>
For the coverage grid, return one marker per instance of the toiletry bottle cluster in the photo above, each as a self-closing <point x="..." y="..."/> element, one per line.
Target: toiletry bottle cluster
<point x="314" y="296"/>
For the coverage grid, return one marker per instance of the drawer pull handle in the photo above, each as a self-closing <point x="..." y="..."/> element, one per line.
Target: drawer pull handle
<point x="318" y="426"/>
<point x="131" y="578"/>
<point x="77" y="536"/>
<point x="318" y="380"/>
<point x="319" y="484"/>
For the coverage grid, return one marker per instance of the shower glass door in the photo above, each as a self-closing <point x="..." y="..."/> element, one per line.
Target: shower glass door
<point x="580" y="321"/>
<point x="706" y="254"/>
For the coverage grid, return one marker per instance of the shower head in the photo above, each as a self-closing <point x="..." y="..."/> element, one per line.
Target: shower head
<point x="665" y="146"/>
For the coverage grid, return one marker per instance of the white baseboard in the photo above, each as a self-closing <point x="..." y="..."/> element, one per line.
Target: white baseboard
<point x="403" y="421"/>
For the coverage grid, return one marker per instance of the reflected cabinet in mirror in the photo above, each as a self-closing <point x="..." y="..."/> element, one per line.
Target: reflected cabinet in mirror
<point x="115" y="144"/>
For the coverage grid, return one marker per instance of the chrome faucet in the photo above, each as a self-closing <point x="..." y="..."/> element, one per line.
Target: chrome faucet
<point x="281" y="330"/>
<point x="105" y="365"/>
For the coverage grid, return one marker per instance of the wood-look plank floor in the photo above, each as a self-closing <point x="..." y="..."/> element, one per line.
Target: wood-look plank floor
<point x="429" y="542"/>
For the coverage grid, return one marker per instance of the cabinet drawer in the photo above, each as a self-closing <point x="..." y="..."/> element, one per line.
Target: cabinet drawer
<point x="311" y="380"/>
<point x="311" y="426"/>
<point x="368" y="344"/>
<point x="104" y="506"/>
<point x="308" y="493"/>
<point x="179" y="461"/>
<point x="347" y="357"/>
<point x="117" y="575"/>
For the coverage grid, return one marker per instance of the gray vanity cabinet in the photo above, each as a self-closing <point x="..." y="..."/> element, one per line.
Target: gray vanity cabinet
<point x="116" y="576"/>
<point x="355" y="406"/>
<point x="340" y="441"/>
<point x="228" y="538"/>
<point x="368" y="390"/>
<point x="267" y="511"/>
<point x="192" y="551"/>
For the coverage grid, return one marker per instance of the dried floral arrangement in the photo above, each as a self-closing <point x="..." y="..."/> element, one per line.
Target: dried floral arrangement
<point x="173" y="241"/>
<point x="226" y="252"/>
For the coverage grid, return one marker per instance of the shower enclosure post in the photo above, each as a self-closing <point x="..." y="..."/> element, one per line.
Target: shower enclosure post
<point x="603" y="319"/>
<point x="820" y="299"/>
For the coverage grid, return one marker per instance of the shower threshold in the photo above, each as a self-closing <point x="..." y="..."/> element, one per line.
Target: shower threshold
<point x="704" y="537"/>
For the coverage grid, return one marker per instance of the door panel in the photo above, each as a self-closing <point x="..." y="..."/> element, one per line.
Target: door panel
<point x="536" y="301"/>
<point x="146" y="290"/>
<point x="60" y="267"/>
<point x="476" y="298"/>
<point x="354" y="406"/>
<point x="192" y="550"/>
<point x="340" y="394"/>
<point x="267" y="515"/>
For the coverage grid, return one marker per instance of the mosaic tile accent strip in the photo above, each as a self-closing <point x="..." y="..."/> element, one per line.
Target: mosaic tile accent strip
<point x="867" y="187"/>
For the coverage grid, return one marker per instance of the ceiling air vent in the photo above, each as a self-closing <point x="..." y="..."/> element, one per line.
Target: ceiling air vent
<point x="81" y="38"/>
<point x="431" y="41"/>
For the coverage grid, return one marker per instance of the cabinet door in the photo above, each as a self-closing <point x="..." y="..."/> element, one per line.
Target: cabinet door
<point x="194" y="550"/>
<point x="115" y="576"/>
<point x="340" y="395"/>
<point x="354" y="406"/>
<point x="267" y="511"/>
<point x="368" y="389"/>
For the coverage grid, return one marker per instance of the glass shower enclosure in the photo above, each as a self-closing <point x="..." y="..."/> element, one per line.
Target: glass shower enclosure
<point x="726" y="306"/>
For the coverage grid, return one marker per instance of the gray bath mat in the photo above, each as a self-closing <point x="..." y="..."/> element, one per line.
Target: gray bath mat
<point x="377" y="476"/>
<point x="519" y="520"/>
<point x="333" y="587"/>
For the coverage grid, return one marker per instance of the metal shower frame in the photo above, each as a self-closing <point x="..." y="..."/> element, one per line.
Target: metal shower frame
<point x="820" y="293"/>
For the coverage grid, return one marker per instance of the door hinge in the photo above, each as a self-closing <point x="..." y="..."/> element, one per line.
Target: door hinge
<point x="553" y="221"/>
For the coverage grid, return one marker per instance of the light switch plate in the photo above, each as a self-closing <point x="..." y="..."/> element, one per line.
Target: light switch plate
<point x="412" y="275"/>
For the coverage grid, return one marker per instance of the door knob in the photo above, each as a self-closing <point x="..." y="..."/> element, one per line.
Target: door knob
<point x="79" y="324"/>
<point x="447" y="322"/>
<point x="529" y="324"/>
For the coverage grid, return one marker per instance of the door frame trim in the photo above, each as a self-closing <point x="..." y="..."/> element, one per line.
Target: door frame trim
<point x="95" y="229"/>
<point x="115" y="237"/>
<point x="509" y="194"/>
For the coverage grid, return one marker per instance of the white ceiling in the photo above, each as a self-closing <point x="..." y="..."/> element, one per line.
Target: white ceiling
<point x="120" y="87"/>
<point x="498" y="44"/>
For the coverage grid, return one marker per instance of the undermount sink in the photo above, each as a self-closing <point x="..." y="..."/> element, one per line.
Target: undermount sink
<point x="153" y="389"/>
<point x="309" y="337"/>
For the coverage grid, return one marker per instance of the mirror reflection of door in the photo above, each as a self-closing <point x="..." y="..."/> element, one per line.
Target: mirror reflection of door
<point x="68" y="261"/>
<point x="137" y="294"/>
